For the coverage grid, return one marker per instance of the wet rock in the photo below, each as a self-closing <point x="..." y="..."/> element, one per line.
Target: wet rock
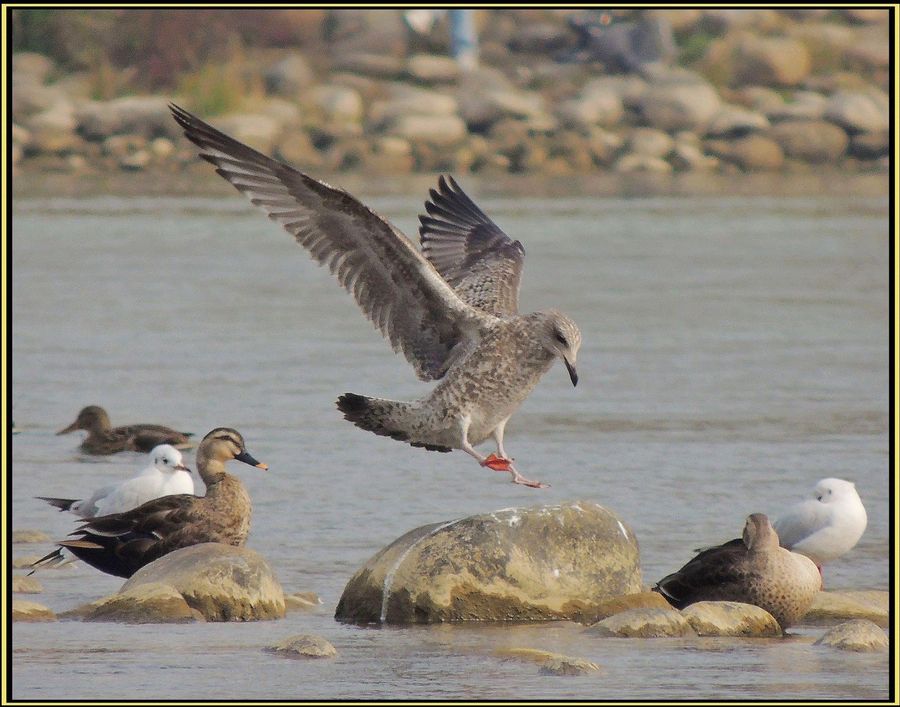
<point x="604" y="146"/>
<point x="734" y="121"/>
<point x="830" y="607"/>
<point x="679" y="105"/>
<point x="616" y="605"/>
<point x="30" y="611"/>
<point x="24" y="562"/>
<point x="565" y="665"/>
<point x="537" y="563"/>
<point x="644" y="623"/>
<point x="404" y="101"/>
<point x="304" y="646"/>
<point x="771" y="61"/>
<point x="858" y="635"/>
<point x="486" y="96"/>
<point x="22" y="584"/>
<point x="810" y="140"/>
<point x="296" y="148"/>
<point x="28" y="536"/>
<point x="150" y="603"/>
<point x="289" y="76"/>
<point x="550" y="663"/>
<point x="750" y="153"/>
<point x="430" y="69"/>
<point x="301" y="601"/>
<point x="222" y="582"/>
<point x="857" y="112"/>
<point x="730" y="618"/>
<point x="758" y="98"/>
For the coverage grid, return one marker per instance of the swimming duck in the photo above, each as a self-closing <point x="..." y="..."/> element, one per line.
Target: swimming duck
<point x="121" y="543"/>
<point x="753" y="569"/>
<point x="103" y="438"/>
<point x="165" y="475"/>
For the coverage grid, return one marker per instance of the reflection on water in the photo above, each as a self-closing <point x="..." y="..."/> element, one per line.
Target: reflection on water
<point x="734" y="353"/>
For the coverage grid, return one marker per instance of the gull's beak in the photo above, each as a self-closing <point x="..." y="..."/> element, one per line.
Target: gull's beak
<point x="573" y="374"/>
<point x="70" y="428"/>
<point x="248" y="459"/>
<point x="182" y="467"/>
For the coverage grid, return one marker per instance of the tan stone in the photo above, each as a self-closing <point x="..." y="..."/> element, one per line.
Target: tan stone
<point x="222" y="582"/>
<point x="730" y="618"/>
<point x="858" y="635"/>
<point x="30" y="611"/>
<point x="550" y="663"/>
<point x="304" y="646"/>
<point x="644" y="623"/>
<point x="29" y="536"/>
<point x="830" y="607"/>
<point x="616" y="605"/>
<point x="26" y="585"/>
<point x="750" y="153"/>
<point x="302" y="601"/>
<point x="153" y="602"/>
<point x="537" y="563"/>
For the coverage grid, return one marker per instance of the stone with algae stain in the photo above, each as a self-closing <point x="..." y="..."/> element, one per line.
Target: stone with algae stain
<point x="516" y="564"/>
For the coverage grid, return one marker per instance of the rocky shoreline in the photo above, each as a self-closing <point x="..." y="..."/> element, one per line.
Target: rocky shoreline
<point x="787" y="91"/>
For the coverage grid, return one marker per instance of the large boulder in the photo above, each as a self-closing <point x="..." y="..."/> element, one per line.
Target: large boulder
<point x="150" y="603"/>
<point x="519" y="564"/>
<point x="224" y="583"/>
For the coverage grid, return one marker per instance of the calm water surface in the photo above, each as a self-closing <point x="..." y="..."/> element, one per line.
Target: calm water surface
<point x="735" y="352"/>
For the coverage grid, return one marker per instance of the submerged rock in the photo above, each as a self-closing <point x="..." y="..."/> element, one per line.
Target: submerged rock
<point x="644" y="623"/>
<point x="29" y="536"/>
<point x="616" y="605"/>
<point x="730" y="618"/>
<point x="26" y="585"/>
<point x="518" y="564"/>
<point x="222" y="582"/>
<point x="550" y="663"/>
<point x="301" y="600"/>
<point x="304" y="646"/>
<point x="858" y="635"/>
<point x="30" y="611"/>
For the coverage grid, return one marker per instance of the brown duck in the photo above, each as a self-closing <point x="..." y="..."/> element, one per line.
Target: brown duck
<point x="103" y="438"/>
<point x="753" y="570"/>
<point x="122" y="543"/>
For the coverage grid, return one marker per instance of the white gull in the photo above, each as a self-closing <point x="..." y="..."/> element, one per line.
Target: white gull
<point x="826" y="526"/>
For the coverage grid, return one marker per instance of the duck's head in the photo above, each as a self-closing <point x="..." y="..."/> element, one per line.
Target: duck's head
<point x="93" y="417"/>
<point x="759" y="533"/>
<point x="224" y="444"/>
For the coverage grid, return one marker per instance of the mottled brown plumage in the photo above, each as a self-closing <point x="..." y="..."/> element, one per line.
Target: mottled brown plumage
<point x="122" y="543"/>
<point x="451" y="308"/>
<point x="753" y="570"/>
<point x="103" y="438"/>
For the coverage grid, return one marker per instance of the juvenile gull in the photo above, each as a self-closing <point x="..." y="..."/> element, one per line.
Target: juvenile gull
<point x="103" y="438"/>
<point x="165" y="475"/>
<point x="122" y="543"/>
<point x="827" y="526"/>
<point x="753" y="570"/>
<point x="452" y="309"/>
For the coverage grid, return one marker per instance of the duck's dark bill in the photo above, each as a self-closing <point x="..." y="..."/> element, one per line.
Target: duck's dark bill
<point x="248" y="459"/>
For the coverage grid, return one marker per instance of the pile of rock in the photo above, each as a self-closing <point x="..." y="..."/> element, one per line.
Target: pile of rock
<point x="769" y="90"/>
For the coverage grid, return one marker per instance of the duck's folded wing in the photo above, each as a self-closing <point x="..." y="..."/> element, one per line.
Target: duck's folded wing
<point x="479" y="261"/>
<point x="394" y="285"/>
<point x="707" y="573"/>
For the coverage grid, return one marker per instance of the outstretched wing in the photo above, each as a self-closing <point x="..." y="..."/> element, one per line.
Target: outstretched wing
<point x="393" y="284"/>
<point x="479" y="261"/>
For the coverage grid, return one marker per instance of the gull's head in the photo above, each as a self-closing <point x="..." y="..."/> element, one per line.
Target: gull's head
<point x="834" y="490"/>
<point x="167" y="459"/>
<point x="562" y="338"/>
